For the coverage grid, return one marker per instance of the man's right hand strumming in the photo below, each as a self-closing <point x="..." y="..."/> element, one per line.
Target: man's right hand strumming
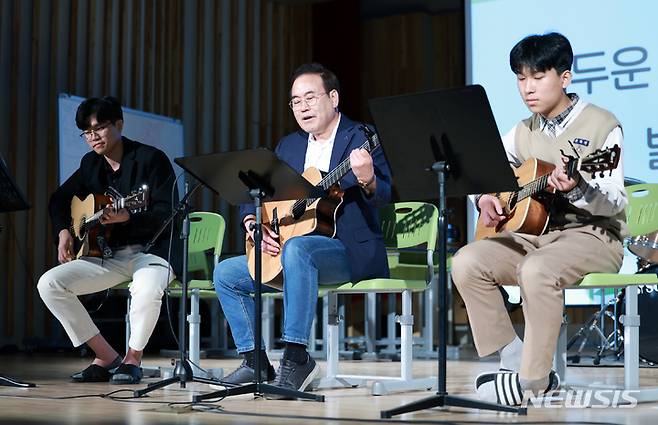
<point x="269" y="244"/>
<point x="65" y="247"/>
<point x="491" y="210"/>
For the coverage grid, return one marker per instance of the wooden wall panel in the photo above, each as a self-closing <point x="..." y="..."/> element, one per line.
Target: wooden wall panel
<point x="220" y="66"/>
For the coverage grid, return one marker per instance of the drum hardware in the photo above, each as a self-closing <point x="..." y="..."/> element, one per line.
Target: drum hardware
<point x="645" y="247"/>
<point x="594" y="327"/>
<point x="613" y="343"/>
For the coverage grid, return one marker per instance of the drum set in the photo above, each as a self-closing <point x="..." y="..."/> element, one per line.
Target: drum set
<point x="645" y="248"/>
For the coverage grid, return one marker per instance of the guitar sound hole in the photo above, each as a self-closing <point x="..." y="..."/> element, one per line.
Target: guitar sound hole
<point x="298" y="210"/>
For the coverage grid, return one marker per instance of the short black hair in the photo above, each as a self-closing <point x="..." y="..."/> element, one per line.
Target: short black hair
<point x="106" y="109"/>
<point x="540" y="53"/>
<point x="329" y="79"/>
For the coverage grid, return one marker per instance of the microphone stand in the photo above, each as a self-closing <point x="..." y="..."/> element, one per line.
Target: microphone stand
<point x="182" y="370"/>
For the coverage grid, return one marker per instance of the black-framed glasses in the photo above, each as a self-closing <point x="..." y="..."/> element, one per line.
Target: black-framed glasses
<point x="310" y="99"/>
<point x="96" y="131"/>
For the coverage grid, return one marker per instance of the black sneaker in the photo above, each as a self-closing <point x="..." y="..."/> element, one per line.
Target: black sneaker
<point x="294" y="376"/>
<point x="245" y="374"/>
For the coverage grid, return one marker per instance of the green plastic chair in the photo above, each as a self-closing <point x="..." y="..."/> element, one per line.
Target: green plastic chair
<point x="404" y="225"/>
<point x="206" y="233"/>
<point x="642" y="219"/>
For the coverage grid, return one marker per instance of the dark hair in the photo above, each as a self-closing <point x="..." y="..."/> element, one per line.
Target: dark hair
<point x="105" y="109"/>
<point x="329" y="79"/>
<point x="541" y="53"/>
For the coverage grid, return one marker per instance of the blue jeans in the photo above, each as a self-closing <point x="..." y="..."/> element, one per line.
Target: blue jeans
<point x="308" y="261"/>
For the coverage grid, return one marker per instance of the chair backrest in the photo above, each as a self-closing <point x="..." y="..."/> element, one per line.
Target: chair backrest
<point x="409" y="224"/>
<point x="642" y="208"/>
<point x="206" y="232"/>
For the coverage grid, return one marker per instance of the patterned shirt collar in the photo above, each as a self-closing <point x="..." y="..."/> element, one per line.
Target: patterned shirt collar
<point x="557" y="120"/>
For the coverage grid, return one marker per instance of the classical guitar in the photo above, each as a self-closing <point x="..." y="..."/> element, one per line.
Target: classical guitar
<point x="88" y="233"/>
<point x="304" y="216"/>
<point x="526" y="209"/>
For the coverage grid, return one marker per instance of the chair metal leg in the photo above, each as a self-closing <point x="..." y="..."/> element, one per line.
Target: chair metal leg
<point x="391" y="316"/>
<point x="405" y="381"/>
<point x="194" y="321"/>
<point x="127" y="323"/>
<point x="194" y="348"/>
<point x="631" y="341"/>
<point x="268" y="323"/>
<point x="331" y="378"/>
<point x="560" y="358"/>
<point x="371" y="324"/>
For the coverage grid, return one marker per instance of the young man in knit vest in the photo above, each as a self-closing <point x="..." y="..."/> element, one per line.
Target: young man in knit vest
<point x="584" y="233"/>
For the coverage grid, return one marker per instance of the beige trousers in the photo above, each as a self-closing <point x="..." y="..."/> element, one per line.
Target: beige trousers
<point x="542" y="266"/>
<point x="60" y="286"/>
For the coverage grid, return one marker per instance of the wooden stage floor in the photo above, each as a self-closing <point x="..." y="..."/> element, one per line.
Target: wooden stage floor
<point x="54" y="400"/>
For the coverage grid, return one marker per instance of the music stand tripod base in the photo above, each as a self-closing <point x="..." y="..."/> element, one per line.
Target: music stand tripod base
<point x="445" y="400"/>
<point x="11" y="382"/>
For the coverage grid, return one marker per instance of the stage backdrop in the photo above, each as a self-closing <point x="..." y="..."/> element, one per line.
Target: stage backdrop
<point x="156" y="130"/>
<point x="615" y="66"/>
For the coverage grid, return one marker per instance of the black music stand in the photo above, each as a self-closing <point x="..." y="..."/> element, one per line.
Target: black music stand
<point x="182" y="370"/>
<point x="450" y="133"/>
<point x="251" y="176"/>
<point x="11" y="199"/>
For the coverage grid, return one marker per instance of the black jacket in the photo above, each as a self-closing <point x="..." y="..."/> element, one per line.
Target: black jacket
<point x="141" y="164"/>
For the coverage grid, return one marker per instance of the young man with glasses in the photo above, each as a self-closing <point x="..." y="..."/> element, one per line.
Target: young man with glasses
<point x="125" y="165"/>
<point x="357" y="252"/>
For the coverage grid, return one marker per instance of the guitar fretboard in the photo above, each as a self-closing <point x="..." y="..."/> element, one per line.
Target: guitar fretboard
<point x="337" y="173"/>
<point x="534" y="187"/>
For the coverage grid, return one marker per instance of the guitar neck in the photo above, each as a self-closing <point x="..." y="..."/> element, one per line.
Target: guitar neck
<point x="339" y="172"/>
<point x="334" y="175"/>
<point x="534" y="187"/>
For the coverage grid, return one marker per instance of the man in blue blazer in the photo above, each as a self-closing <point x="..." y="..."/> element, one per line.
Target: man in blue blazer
<point x="356" y="252"/>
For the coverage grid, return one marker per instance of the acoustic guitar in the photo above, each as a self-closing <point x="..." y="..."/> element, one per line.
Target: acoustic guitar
<point x="88" y="233"/>
<point x="304" y="216"/>
<point x="526" y="209"/>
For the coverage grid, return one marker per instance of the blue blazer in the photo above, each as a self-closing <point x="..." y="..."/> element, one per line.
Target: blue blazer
<point x="357" y="220"/>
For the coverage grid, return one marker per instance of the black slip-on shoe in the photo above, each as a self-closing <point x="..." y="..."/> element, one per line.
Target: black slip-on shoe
<point x="96" y="373"/>
<point x="126" y="374"/>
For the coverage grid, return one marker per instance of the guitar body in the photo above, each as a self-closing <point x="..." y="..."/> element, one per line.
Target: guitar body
<point x="526" y="216"/>
<point x="84" y="239"/>
<point x="318" y="218"/>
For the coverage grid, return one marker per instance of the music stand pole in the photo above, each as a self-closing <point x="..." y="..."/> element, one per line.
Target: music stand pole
<point x="258" y="388"/>
<point x="442" y="398"/>
<point x="252" y="176"/>
<point x="182" y="370"/>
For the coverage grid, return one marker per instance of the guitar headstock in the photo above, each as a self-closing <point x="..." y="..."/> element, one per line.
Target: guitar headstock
<point x="597" y="162"/>
<point x="137" y="200"/>
<point x="372" y="140"/>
